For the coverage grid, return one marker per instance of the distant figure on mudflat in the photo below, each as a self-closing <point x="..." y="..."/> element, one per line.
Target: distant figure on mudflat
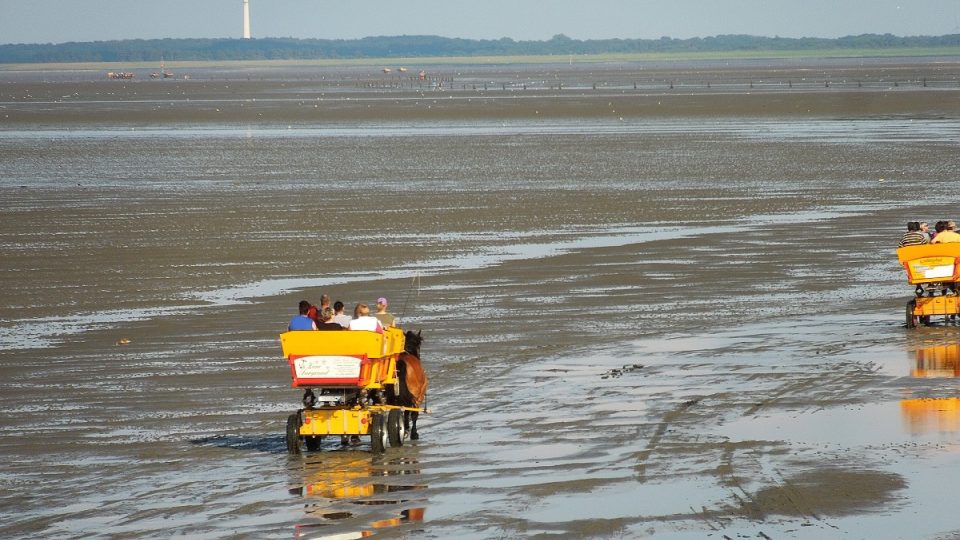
<point x="302" y="321"/>
<point x="913" y="236"/>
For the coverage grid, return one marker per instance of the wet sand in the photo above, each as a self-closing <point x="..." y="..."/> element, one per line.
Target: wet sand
<point x="676" y="325"/>
<point x="629" y="91"/>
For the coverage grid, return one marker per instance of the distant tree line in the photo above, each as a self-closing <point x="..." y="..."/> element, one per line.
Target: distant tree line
<point x="140" y="50"/>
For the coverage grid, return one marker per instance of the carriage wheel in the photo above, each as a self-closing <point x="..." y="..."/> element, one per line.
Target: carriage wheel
<point x="911" y="318"/>
<point x="312" y="442"/>
<point x="395" y="429"/>
<point x="293" y="433"/>
<point x="378" y="433"/>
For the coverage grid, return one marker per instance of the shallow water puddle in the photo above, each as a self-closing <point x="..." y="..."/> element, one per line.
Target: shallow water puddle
<point x="626" y="500"/>
<point x="909" y="421"/>
<point x="914" y="440"/>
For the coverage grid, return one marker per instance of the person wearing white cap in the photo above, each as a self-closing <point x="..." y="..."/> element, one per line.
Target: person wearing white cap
<point x="386" y="319"/>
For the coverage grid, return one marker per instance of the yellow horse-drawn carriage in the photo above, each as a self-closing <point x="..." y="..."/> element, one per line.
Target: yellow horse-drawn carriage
<point x="934" y="269"/>
<point x="350" y="380"/>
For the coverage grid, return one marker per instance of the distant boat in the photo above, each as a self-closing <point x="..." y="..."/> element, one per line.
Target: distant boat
<point x="387" y="70"/>
<point x="162" y="73"/>
<point x="402" y="70"/>
<point x="119" y="75"/>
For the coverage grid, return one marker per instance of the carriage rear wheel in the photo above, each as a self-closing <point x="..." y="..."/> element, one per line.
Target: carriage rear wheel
<point x="395" y="429"/>
<point x="378" y="433"/>
<point x="293" y="433"/>
<point x="312" y="442"/>
<point x="911" y="318"/>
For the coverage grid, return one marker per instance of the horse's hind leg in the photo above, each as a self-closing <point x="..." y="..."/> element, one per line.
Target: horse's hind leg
<point x="413" y="421"/>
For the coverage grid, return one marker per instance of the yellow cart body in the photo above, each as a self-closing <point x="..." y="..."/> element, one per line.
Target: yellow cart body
<point x="347" y="361"/>
<point x="935" y="271"/>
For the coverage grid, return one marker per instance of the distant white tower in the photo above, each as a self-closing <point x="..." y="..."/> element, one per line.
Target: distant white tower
<point x="246" y="19"/>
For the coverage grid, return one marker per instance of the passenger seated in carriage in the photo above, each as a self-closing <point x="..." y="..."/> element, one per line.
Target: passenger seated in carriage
<point x="386" y="319"/>
<point x="339" y="316"/>
<point x="314" y="313"/>
<point x="948" y="235"/>
<point x="363" y="321"/>
<point x="326" y="314"/>
<point x="914" y="236"/>
<point x="302" y="321"/>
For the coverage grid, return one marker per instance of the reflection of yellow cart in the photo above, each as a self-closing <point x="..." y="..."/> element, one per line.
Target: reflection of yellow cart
<point x="938" y="361"/>
<point x="350" y="382"/>
<point x="935" y="270"/>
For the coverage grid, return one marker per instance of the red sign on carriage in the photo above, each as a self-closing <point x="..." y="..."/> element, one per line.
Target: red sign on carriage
<point x="327" y="370"/>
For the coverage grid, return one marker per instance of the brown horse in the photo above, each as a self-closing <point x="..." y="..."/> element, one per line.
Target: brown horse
<point x="413" y="381"/>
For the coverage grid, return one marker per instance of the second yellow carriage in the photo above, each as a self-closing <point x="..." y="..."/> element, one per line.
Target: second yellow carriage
<point x="934" y="270"/>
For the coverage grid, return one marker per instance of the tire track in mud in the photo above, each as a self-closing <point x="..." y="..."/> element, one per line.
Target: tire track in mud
<point x="758" y="508"/>
<point x="778" y="494"/>
<point x="674" y="416"/>
<point x="836" y="384"/>
<point x="784" y="390"/>
<point x="797" y="500"/>
<point x="667" y="420"/>
<point x="779" y="497"/>
<point x="756" y="492"/>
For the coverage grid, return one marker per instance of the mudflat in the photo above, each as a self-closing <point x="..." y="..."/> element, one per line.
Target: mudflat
<point x="657" y="300"/>
<point x="323" y="95"/>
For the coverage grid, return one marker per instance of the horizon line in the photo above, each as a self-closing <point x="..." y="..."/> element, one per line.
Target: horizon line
<point x="554" y="37"/>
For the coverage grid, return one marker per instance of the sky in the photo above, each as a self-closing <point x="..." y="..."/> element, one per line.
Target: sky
<point x="58" y="21"/>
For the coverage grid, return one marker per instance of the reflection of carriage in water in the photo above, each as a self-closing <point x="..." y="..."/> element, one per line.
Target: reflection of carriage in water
<point x="355" y="383"/>
<point x="937" y="361"/>
<point x="935" y="271"/>
<point x="925" y="411"/>
<point x="342" y="480"/>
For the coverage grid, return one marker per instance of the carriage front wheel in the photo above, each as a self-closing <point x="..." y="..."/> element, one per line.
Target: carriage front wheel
<point x="293" y="433"/>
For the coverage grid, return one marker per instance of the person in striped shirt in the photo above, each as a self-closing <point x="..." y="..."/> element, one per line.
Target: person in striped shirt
<point x="913" y="236"/>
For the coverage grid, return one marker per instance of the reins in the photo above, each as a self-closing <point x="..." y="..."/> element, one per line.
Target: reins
<point x="415" y="280"/>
